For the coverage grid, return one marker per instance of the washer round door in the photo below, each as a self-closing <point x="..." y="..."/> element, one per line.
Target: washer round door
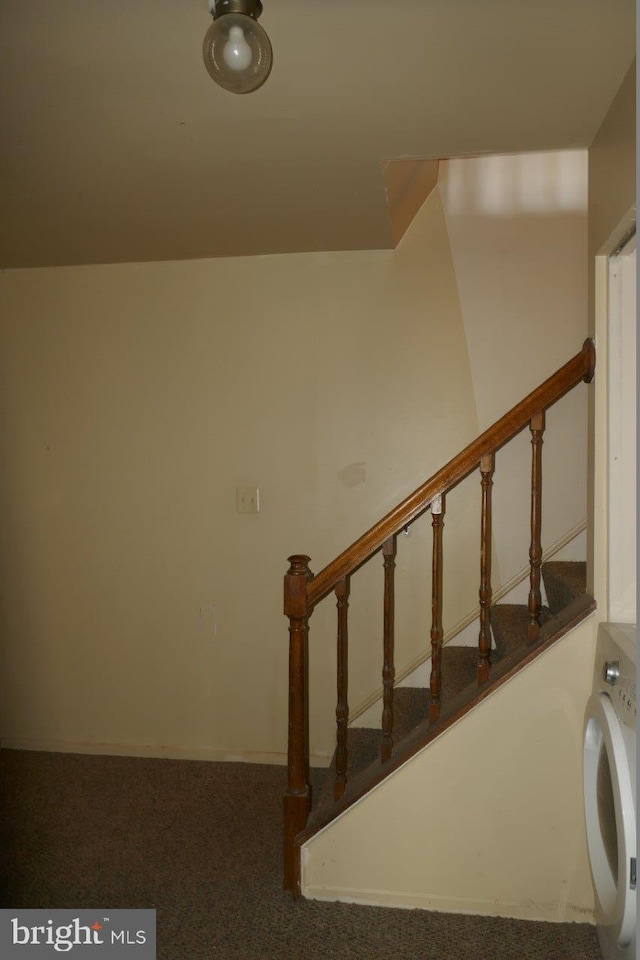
<point x="609" y="801"/>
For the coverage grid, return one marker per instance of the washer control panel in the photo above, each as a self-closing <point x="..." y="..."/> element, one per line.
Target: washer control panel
<point x="615" y="668"/>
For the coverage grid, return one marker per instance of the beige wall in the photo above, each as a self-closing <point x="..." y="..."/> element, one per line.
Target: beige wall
<point x="612" y="168"/>
<point x="133" y="400"/>
<point x="522" y="844"/>
<point x="517" y="228"/>
<point x="517" y="225"/>
<point x="488" y="819"/>
<point x="612" y="201"/>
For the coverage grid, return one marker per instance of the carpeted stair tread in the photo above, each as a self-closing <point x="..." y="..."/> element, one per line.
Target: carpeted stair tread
<point x="411" y="704"/>
<point x="410" y="707"/>
<point x="363" y="748"/>
<point x="510" y="624"/>
<point x="459" y="665"/>
<point x="564" y="580"/>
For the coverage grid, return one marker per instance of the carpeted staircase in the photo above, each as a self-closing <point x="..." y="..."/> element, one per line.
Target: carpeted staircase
<point x="568" y="603"/>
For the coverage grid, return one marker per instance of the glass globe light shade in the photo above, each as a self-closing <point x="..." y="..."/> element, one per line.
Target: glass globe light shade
<point x="237" y="53"/>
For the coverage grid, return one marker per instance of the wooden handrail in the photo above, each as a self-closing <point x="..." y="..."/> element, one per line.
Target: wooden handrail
<point x="580" y="367"/>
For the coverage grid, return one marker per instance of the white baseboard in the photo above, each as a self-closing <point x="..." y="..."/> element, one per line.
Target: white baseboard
<point x="528" y="910"/>
<point x="156" y="751"/>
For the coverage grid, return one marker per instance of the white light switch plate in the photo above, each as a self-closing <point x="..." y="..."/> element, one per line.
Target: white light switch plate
<point x="247" y="500"/>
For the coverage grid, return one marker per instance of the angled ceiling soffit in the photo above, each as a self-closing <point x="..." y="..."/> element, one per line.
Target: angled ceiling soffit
<point x="407" y="184"/>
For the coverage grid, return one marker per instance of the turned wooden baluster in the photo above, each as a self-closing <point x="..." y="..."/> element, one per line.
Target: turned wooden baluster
<point x="487" y="466"/>
<point x="342" y="708"/>
<point x="535" y="550"/>
<point x="388" y="668"/>
<point x="297" y="800"/>
<point x="435" y="680"/>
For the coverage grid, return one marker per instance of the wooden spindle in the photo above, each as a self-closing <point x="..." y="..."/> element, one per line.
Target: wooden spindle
<point x="297" y="799"/>
<point x="342" y="708"/>
<point x="388" y="667"/>
<point x="435" y="680"/>
<point x="487" y="466"/>
<point x="535" y="550"/>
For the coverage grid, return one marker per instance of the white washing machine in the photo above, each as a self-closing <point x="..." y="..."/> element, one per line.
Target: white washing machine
<point x="609" y="769"/>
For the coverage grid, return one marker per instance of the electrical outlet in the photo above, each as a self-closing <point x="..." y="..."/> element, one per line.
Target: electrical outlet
<point x="247" y="500"/>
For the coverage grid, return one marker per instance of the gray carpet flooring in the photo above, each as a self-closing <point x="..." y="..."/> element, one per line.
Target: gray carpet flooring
<point x="201" y="843"/>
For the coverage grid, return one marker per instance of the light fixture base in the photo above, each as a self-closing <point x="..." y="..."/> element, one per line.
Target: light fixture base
<point x="249" y="8"/>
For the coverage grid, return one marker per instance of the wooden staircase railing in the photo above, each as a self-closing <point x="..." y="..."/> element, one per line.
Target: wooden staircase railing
<point x="303" y="591"/>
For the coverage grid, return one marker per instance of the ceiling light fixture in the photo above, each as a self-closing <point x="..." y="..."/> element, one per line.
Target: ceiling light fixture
<point x="236" y="50"/>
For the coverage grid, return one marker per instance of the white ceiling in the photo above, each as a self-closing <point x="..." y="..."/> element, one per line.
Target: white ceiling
<point x="117" y="146"/>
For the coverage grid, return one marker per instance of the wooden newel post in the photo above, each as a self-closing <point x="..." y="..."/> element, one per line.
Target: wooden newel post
<point x="297" y="799"/>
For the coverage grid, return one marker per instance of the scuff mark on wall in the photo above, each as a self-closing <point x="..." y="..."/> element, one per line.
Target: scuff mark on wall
<point x="353" y="474"/>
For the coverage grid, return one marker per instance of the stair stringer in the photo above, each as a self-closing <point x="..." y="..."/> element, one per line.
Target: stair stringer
<point x="486" y="819"/>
